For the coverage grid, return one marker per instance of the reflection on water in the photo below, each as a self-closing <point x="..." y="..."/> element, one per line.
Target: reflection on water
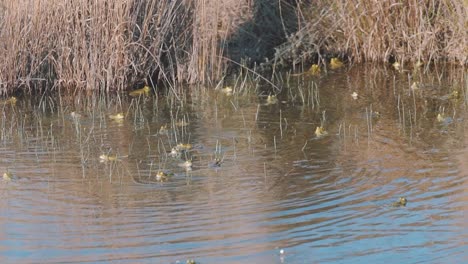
<point x="261" y="181"/>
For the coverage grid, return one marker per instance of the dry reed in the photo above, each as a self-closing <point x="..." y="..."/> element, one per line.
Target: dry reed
<point x="103" y="45"/>
<point x="118" y="44"/>
<point x="417" y="30"/>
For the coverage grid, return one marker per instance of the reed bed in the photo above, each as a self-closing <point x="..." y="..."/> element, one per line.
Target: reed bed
<point x="102" y="45"/>
<point x="404" y="31"/>
<point x="114" y="45"/>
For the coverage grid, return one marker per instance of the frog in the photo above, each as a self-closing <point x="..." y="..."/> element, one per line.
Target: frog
<point x="118" y="116"/>
<point x="187" y="164"/>
<point x="336" y="63"/>
<point x="143" y="91"/>
<point x="162" y="176"/>
<point x="320" y="132"/>
<point x="400" y="203"/>
<point x="184" y="147"/>
<point x="271" y="99"/>
<point x="8" y="176"/>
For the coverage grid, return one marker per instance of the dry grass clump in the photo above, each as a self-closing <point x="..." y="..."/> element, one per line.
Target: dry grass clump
<point x="378" y="30"/>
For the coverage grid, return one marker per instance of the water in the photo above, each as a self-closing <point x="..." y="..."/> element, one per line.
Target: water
<point x="279" y="187"/>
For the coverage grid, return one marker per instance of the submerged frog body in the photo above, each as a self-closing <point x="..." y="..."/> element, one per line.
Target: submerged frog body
<point x="162" y="176"/>
<point x="440" y="117"/>
<point x="216" y="163"/>
<point x="182" y="123"/>
<point x="143" y="91"/>
<point x="175" y="152"/>
<point x="227" y="90"/>
<point x="8" y="176"/>
<point x="415" y="86"/>
<point x="10" y="101"/>
<point x="106" y="158"/>
<point x="320" y="132"/>
<point x="271" y="99"/>
<point x="314" y="70"/>
<point x="336" y="63"/>
<point x="454" y="95"/>
<point x="163" y="130"/>
<point x="187" y="165"/>
<point x="184" y="147"/>
<point x="118" y="116"/>
<point x="75" y="115"/>
<point x="444" y="120"/>
<point x="400" y="203"/>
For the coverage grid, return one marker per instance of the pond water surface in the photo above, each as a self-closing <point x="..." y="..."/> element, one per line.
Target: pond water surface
<point x="263" y="187"/>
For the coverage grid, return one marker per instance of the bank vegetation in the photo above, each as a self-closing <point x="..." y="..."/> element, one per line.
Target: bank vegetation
<point x="116" y="45"/>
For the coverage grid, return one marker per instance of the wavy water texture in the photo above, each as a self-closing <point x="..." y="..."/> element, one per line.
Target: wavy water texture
<point x="279" y="186"/>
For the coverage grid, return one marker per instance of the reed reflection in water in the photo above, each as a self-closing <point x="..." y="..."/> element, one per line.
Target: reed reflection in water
<point x="261" y="180"/>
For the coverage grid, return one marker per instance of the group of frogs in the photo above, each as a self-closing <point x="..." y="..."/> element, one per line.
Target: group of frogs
<point x="180" y="149"/>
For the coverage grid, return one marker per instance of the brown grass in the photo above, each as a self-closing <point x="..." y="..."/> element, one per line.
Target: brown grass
<point x="107" y="45"/>
<point x="119" y="44"/>
<point x="375" y="30"/>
